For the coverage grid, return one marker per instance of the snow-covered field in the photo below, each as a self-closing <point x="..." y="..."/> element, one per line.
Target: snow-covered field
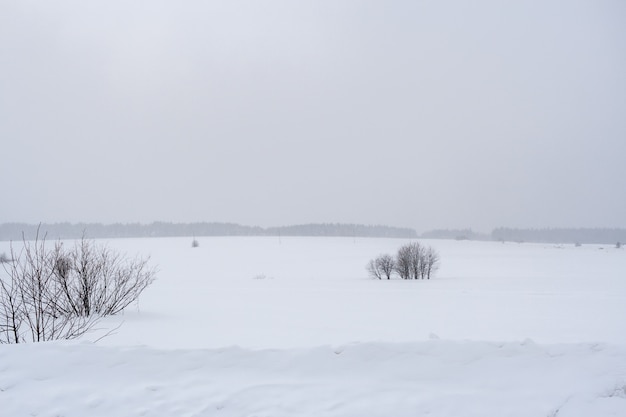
<point x="294" y="327"/>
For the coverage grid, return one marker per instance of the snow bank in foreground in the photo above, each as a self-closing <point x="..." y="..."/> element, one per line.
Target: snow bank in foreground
<point x="434" y="378"/>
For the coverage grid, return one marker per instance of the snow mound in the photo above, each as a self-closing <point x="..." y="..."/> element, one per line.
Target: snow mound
<point x="434" y="378"/>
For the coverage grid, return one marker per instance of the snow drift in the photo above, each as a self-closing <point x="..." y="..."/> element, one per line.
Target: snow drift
<point x="435" y="378"/>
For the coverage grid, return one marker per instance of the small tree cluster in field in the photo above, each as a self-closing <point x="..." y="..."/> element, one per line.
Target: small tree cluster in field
<point x="61" y="293"/>
<point x="4" y="258"/>
<point x="413" y="261"/>
<point x="383" y="266"/>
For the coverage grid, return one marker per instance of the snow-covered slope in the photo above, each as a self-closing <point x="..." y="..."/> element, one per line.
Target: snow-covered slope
<point x="435" y="378"/>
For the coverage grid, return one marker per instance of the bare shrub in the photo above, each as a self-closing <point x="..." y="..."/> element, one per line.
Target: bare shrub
<point x="29" y="299"/>
<point x="382" y="266"/>
<point x="374" y="270"/>
<point x="416" y="259"/>
<point x="431" y="261"/>
<point x="412" y="261"/>
<point x="11" y="316"/>
<point x="61" y="294"/>
<point x="96" y="280"/>
<point x="386" y="264"/>
<point x="408" y="261"/>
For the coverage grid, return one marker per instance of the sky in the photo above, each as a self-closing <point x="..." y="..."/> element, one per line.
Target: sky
<point x="423" y="114"/>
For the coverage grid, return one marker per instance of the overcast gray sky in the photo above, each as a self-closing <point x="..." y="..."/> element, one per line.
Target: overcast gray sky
<point x="426" y="114"/>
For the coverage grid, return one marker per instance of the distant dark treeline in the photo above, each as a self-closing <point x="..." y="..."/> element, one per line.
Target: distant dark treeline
<point x="458" y="234"/>
<point x="15" y="231"/>
<point x="336" y="229"/>
<point x="560" y="235"/>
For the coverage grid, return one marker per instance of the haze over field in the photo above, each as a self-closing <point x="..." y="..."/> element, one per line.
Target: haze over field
<point x="203" y="139"/>
<point x="415" y="114"/>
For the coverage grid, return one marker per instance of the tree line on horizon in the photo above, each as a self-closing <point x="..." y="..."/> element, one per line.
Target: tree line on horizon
<point x="66" y="230"/>
<point x="17" y="231"/>
<point x="543" y="235"/>
<point x="561" y="235"/>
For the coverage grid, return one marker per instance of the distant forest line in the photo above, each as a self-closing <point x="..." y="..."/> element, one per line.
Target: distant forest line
<point x="545" y="235"/>
<point x="16" y="231"/>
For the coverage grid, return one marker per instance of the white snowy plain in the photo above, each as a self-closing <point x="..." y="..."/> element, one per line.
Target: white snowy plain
<point x="260" y="326"/>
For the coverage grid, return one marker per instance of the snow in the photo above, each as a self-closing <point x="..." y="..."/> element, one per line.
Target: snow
<point x="435" y="378"/>
<point x="316" y="292"/>
<point x="262" y="326"/>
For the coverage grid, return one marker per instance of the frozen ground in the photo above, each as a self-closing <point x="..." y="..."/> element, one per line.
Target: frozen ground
<point x="262" y="327"/>
<point x="301" y="292"/>
<point x="435" y="378"/>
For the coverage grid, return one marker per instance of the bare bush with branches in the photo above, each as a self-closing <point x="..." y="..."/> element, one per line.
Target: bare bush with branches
<point x="61" y="294"/>
<point x="412" y="261"/>
<point x="374" y="270"/>
<point x="404" y="262"/>
<point x="96" y="280"/>
<point x="382" y="266"/>
<point x="386" y="265"/>
<point x="30" y="299"/>
<point x="431" y="261"/>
